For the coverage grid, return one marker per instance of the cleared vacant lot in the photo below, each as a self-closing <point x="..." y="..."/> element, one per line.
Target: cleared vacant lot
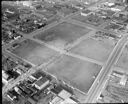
<point x="123" y="60"/>
<point x="94" y="49"/>
<point x="75" y="72"/>
<point x="34" y="52"/>
<point x="62" y="34"/>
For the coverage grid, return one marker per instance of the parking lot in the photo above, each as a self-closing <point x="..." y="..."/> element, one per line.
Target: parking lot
<point x="75" y="72"/>
<point x="62" y="35"/>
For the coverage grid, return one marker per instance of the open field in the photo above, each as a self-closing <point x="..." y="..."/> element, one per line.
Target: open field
<point x="123" y="60"/>
<point x="62" y="34"/>
<point x="75" y="72"/>
<point x="94" y="49"/>
<point x="34" y="52"/>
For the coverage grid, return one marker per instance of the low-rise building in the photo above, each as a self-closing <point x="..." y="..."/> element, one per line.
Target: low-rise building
<point x="41" y="83"/>
<point x="37" y="75"/>
<point x="56" y="90"/>
<point x="123" y="80"/>
<point x="12" y="95"/>
<point x="56" y="100"/>
<point x="31" y="101"/>
<point x="69" y="101"/>
<point x="64" y="94"/>
<point x="86" y="13"/>
<point x="4" y="75"/>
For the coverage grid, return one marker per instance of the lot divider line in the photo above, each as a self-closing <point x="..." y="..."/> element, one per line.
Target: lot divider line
<point x="62" y="51"/>
<point x="84" y="58"/>
<point x="79" y="40"/>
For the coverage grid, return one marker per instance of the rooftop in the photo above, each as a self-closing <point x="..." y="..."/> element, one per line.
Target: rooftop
<point x="41" y="81"/>
<point x="57" y="90"/>
<point x="64" y="94"/>
<point x="86" y="11"/>
<point x="68" y="101"/>
<point x="38" y="75"/>
<point x="56" y="100"/>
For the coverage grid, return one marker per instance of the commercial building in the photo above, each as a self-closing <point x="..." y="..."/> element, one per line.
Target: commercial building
<point x="56" y="100"/>
<point x="64" y="94"/>
<point x="69" y="101"/>
<point x="4" y="77"/>
<point x="123" y="80"/>
<point x="61" y="96"/>
<point x="41" y="83"/>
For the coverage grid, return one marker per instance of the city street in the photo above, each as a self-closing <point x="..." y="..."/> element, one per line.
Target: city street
<point x="105" y="72"/>
<point x="100" y="81"/>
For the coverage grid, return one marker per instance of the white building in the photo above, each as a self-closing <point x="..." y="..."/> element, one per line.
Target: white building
<point x="56" y="100"/>
<point x="64" y="94"/>
<point x="69" y="101"/>
<point x="63" y="98"/>
<point x="123" y="80"/>
<point x="41" y="83"/>
<point x="86" y="12"/>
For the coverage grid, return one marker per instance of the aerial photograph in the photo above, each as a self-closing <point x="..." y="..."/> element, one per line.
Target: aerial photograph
<point x="64" y="51"/>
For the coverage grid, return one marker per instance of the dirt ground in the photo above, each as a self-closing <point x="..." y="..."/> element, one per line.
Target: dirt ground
<point x="75" y="72"/>
<point x="94" y="49"/>
<point x="62" y="34"/>
<point x="34" y="52"/>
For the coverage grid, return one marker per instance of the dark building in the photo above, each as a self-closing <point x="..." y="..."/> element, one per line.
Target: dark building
<point x="126" y="1"/>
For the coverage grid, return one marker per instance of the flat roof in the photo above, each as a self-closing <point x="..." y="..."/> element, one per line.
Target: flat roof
<point x="69" y="101"/>
<point x="38" y="74"/>
<point x="57" y="90"/>
<point x="41" y="81"/>
<point x="64" y="94"/>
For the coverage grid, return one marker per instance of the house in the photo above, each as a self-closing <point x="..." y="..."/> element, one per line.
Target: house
<point x="86" y="12"/>
<point x="41" y="83"/>
<point x="117" y="74"/>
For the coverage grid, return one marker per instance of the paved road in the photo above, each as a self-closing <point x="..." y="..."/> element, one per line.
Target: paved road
<point x="106" y="70"/>
<point x="24" y="76"/>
